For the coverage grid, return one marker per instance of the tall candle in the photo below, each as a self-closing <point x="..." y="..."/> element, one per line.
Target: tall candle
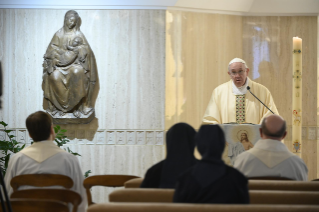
<point x="297" y="95"/>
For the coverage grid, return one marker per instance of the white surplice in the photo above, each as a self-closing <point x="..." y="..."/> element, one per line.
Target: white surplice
<point x="46" y="158"/>
<point x="271" y="158"/>
<point x="222" y="105"/>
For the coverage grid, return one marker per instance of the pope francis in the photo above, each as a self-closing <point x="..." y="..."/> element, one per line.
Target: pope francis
<point x="231" y="101"/>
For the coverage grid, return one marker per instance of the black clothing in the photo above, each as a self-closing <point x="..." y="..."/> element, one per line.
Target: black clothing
<point x="210" y="180"/>
<point x="152" y="177"/>
<point x="180" y="146"/>
<point x="231" y="188"/>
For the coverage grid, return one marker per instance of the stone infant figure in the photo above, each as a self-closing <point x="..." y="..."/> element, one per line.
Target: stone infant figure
<point x="62" y="58"/>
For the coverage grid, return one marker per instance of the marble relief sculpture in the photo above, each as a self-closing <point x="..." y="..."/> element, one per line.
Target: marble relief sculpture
<point x="70" y="74"/>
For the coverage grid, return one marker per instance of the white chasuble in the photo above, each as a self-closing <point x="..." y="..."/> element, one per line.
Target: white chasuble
<point x="223" y="106"/>
<point x="271" y="158"/>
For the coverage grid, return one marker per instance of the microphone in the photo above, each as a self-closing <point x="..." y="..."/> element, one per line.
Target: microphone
<point x="248" y="88"/>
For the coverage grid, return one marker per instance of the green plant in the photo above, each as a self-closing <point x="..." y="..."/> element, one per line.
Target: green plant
<point x="61" y="139"/>
<point x="87" y="173"/>
<point x="8" y="147"/>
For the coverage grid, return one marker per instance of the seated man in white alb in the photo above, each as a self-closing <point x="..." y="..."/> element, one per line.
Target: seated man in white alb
<point x="44" y="157"/>
<point x="270" y="157"/>
<point x="231" y="101"/>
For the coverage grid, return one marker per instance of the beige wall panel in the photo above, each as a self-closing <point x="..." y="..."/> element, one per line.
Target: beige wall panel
<point x="309" y="155"/>
<point x="267" y="49"/>
<point x="199" y="47"/>
<point x="129" y="46"/>
<point x="317" y="96"/>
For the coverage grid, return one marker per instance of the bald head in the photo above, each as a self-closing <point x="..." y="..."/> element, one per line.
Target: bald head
<point x="273" y="127"/>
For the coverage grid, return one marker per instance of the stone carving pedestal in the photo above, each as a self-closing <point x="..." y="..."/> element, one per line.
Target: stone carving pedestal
<point x="70" y="118"/>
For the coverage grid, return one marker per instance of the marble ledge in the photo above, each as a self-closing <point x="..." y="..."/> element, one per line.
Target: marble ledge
<point x="99" y="137"/>
<point x="307" y="133"/>
<point x="129" y="137"/>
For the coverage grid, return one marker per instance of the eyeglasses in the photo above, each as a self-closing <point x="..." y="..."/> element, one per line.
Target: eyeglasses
<point x="239" y="72"/>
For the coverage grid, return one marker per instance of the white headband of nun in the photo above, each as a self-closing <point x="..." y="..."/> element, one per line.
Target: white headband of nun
<point x="237" y="60"/>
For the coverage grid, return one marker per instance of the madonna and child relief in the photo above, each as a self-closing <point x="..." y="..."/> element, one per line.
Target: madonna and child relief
<point x="239" y="138"/>
<point x="70" y="75"/>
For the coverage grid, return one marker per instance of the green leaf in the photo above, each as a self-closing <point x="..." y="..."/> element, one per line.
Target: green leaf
<point x="7" y="158"/>
<point x="3" y="123"/>
<point x="87" y="173"/>
<point x="63" y="130"/>
<point x="73" y="153"/>
<point x="21" y="148"/>
<point x="8" y="131"/>
<point x="58" y="127"/>
<point x="11" y="136"/>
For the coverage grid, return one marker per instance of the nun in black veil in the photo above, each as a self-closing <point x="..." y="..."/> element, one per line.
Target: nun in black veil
<point x="210" y="180"/>
<point x="180" y="146"/>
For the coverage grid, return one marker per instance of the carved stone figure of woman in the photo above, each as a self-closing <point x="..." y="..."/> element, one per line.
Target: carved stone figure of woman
<point x="70" y="71"/>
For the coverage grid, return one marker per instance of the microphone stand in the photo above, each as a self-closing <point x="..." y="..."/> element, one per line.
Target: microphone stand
<point x="248" y="88"/>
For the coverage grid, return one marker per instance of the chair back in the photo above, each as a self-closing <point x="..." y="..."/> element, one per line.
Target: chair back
<point x="282" y="185"/>
<point x="256" y="197"/>
<point x="62" y="195"/>
<point x="142" y="195"/>
<point x="173" y="207"/>
<point x="104" y="180"/>
<point x="269" y="178"/>
<point x="134" y="183"/>
<point x="27" y="205"/>
<point x="284" y="197"/>
<point x="41" y="180"/>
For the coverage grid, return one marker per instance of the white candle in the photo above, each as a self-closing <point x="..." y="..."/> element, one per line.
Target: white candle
<point x="297" y="95"/>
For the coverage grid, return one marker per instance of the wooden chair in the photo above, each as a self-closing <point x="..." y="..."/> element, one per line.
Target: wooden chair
<point x="41" y="180"/>
<point x="284" y="197"/>
<point x="104" y="180"/>
<point x="283" y="185"/>
<point x="27" y="205"/>
<point x="148" y="195"/>
<point x="142" y="195"/>
<point x="134" y="183"/>
<point x="269" y="178"/>
<point x="62" y="195"/>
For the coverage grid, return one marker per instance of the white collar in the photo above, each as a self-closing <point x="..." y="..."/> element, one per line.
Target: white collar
<point x="42" y="150"/>
<point x="270" y="152"/>
<point x="241" y="90"/>
<point x="271" y="145"/>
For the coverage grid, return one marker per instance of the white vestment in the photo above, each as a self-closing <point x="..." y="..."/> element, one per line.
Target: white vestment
<point x="271" y="158"/>
<point x="222" y="106"/>
<point x="46" y="158"/>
